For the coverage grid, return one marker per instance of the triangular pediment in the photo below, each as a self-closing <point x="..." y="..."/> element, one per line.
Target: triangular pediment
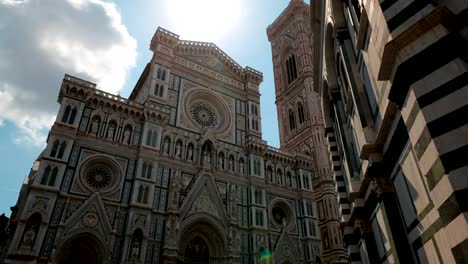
<point x="91" y="216"/>
<point x="286" y="249"/>
<point x="210" y="56"/>
<point x="204" y="198"/>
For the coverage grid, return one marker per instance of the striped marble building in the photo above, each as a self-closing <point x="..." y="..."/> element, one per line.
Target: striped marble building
<point x="392" y="75"/>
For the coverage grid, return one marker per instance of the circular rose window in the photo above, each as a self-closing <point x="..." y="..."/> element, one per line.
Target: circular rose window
<point x="204" y="115"/>
<point x="206" y="110"/>
<point x="281" y="213"/>
<point x="99" y="178"/>
<point x="100" y="174"/>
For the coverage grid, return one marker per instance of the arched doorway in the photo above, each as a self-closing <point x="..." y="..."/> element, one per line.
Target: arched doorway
<point x="81" y="249"/>
<point x="201" y="242"/>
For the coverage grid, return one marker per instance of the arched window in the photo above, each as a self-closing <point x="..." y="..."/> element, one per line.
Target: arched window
<point x="46" y="175"/>
<point x="159" y="73"/>
<point x="61" y="149"/>
<point x="291" y="68"/>
<point x="161" y="91"/>
<point x="72" y="116"/>
<point x="53" y="176"/>
<point x="154" y="139"/>
<point x="149" y="170"/>
<point x="156" y="89"/>
<point x="292" y="120"/>
<point x="164" y="75"/>
<point x="145" y="195"/>
<point x="143" y="170"/>
<point x="149" y="137"/>
<point x="140" y="194"/>
<point x="55" y="147"/>
<point x="66" y="114"/>
<point x="300" y="111"/>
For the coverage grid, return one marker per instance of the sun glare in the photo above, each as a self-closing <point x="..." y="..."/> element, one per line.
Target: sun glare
<point x="207" y="20"/>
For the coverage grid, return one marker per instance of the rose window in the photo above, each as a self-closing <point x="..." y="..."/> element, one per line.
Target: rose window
<point x="100" y="174"/>
<point x="204" y="115"/>
<point x="99" y="178"/>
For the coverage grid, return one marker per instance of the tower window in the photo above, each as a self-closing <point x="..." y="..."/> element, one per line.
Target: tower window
<point x="291" y="68"/>
<point x="300" y="111"/>
<point x="292" y="120"/>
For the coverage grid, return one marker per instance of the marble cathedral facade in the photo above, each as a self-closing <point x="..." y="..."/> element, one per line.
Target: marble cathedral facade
<point x="176" y="173"/>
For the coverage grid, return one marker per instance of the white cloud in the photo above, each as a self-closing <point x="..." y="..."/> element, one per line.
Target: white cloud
<point x="41" y="40"/>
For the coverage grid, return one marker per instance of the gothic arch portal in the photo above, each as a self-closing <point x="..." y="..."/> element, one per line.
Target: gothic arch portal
<point x="202" y="240"/>
<point x="81" y="248"/>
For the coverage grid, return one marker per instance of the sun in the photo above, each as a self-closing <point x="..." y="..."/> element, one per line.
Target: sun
<point x="206" y="20"/>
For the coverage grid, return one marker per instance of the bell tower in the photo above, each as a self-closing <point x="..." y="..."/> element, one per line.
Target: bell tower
<point x="300" y="118"/>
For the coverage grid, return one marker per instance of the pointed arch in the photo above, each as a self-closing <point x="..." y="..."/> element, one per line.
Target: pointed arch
<point x="161" y="91"/>
<point x="55" y="147"/>
<point x="159" y="73"/>
<point x="300" y="111"/>
<point x="140" y="194"/>
<point x="61" y="150"/>
<point x="53" y="176"/>
<point x="71" y="120"/>
<point x="145" y="195"/>
<point x="66" y="114"/>
<point x="292" y="119"/>
<point x="164" y="75"/>
<point x="46" y="175"/>
<point x="149" y="136"/>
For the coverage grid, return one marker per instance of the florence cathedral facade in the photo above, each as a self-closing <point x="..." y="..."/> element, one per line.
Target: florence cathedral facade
<point x="176" y="173"/>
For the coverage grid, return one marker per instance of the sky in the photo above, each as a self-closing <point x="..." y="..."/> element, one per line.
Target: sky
<point x="107" y="42"/>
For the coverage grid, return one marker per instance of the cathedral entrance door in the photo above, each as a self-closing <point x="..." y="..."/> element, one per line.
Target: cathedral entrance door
<point x="202" y="243"/>
<point x="197" y="251"/>
<point x="79" y="250"/>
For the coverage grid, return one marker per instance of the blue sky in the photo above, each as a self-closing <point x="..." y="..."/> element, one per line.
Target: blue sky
<point x="107" y="42"/>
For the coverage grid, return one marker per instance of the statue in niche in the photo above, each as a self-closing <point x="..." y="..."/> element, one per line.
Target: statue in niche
<point x="135" y="250"/>
<point x="206" y="158"/>
<point x="190" y="152"/>
<point x="231" y="164"/>
<point x="126" y="137"/>
<point x="166" y="145"/>
<point x="241" y="167"/>
<point x="28" y="238"/>
<point x="234" y="201"/>
<point x="175" y="189"/>
<point x="221" y="162"/>
<point x="94" y="126"/>
<point x="110" y="131"/>
<point x="178" y="150"/>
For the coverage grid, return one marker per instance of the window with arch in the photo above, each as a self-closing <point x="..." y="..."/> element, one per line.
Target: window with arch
<point x="292" y="120"/>
<point x="163" y="75"/>
<point x="291" y="68"/>
<point x="146" y="170"/>
<point x="159" y="90"/>
<point x="159" y="73"/>
<point x="49" y="176"/>
<point x="143" y="192"/>
<point x="300" y="111"/>
<point x="69" y="115"/>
